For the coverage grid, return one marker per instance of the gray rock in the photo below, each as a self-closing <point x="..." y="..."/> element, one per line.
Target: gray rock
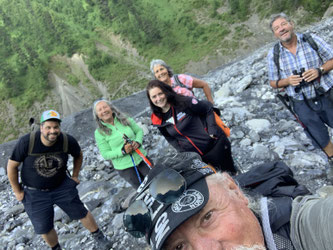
<point x="249" y="108"/>
<point x="258" y="125"/>
<point x="261" y="152"/>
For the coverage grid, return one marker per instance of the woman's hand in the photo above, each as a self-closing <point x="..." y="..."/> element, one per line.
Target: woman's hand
<point x="128" y="148"/>
<point x="135" y="145"/>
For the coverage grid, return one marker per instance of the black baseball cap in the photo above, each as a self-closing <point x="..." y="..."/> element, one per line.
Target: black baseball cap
<point x="165" y="218"/>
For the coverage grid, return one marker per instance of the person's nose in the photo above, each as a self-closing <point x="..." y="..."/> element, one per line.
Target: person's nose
<point x="281" y="29"/>
<point x="104" y="109"/>
<point x="53" y="130"/>
<point x="158" y="98"/>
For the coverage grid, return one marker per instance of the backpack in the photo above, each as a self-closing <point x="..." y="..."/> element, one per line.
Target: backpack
<point x="34" y="126"/>
<point x="272" y="179"/>
<point x="217" y="112"/>
<point x="32" y="143"/>
<point x="276" y="51"/>
<point x="275" y="181"/>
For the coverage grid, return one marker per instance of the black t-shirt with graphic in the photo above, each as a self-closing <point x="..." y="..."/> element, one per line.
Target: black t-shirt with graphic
<point x="47" y="169"/>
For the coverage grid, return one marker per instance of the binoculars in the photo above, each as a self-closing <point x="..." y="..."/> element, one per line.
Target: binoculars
<point x="302" y="83"/>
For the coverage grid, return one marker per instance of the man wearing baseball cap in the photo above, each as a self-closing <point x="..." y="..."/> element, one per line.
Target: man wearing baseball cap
<point x="183" y="204"/>
<point x="44" y="156"/>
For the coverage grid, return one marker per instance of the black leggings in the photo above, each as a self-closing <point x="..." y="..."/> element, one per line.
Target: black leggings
<point x="130" y="175"/>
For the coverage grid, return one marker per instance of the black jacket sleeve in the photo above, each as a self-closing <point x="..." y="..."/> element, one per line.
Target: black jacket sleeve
<point x="173" y="142"/>
<point x="205" y="110"/>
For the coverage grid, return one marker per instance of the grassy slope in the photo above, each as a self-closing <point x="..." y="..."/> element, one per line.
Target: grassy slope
<point x="187" y="30"/>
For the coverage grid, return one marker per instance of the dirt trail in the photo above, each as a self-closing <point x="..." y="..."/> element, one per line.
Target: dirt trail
<point x="69" y="100"/>
<point x="77" y="59"/>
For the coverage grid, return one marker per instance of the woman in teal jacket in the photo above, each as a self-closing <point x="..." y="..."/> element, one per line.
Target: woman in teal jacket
<point x="119" y="139"/>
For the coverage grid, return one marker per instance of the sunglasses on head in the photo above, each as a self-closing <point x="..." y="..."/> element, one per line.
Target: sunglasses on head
<point x="166" y="188"/>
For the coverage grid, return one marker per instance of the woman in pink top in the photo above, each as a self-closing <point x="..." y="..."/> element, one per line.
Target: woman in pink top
<point x="181" y="84"/>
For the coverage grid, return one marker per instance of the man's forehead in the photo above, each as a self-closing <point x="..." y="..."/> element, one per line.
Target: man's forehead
<point x="278" y="21"/>
<point x="51" y="123"/>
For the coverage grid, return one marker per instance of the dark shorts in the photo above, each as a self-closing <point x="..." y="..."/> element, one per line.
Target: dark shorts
<point x="39" y="205"/>
<point x="316" y="118"/>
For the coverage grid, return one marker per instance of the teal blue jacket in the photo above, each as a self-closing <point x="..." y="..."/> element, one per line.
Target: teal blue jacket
<point x="110" y="145"/>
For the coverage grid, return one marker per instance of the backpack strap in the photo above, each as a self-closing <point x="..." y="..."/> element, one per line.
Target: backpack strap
<point x="31" y="142"/>
<point x="308" y="38"/>
<point x="179" y="83"/>
<point x="65" y="145"/>
<point x="276" y="57"/>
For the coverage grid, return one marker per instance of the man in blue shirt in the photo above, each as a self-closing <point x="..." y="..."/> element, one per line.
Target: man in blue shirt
<point x="309" y="91"/>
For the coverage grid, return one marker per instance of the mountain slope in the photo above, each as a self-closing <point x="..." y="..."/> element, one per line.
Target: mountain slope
<point x="64" y="54"/>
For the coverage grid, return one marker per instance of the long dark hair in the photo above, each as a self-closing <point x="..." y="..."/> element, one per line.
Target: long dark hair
<point x="172" y="97"/>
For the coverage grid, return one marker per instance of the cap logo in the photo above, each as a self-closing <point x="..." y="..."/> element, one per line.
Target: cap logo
<point x="53" y="114"/>
<point x="181" y="116"/>
<point x="48" y="115"/>
<point x="190" y="199"/>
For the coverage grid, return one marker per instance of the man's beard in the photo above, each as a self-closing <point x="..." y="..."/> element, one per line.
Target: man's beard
<point x="254" y="247"/>
<point x="287" y="39"/>
<point x="46" y="137"/>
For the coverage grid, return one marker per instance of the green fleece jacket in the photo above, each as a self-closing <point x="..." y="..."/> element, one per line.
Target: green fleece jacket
<point x="110" y="145"/>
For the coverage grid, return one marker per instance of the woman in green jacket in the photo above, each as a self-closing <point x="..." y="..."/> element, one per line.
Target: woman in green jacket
<point x="119" y="139"/>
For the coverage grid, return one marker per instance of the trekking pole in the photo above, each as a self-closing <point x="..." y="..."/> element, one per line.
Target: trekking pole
<point x="282" y="99"/>
<point x="144" y="158"/>
<point x="136" y="169"/>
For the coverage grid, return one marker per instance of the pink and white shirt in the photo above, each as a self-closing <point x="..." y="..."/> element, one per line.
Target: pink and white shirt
<point x="187" y="81"/>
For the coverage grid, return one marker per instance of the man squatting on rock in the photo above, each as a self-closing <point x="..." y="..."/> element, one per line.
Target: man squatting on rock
<point x="45" y="181"/>
<point x="198" y="209"/>
<point x="312" y="102"/>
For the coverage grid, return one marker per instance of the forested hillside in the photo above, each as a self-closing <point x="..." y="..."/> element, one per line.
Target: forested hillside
<point x="116" y="39"/>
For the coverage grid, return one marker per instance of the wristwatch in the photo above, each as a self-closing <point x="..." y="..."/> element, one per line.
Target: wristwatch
<point x="322" y="70"/>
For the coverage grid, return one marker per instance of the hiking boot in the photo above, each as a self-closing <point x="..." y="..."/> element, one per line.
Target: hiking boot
<point x="101" y="241"/>
<point x="56" y="247"/>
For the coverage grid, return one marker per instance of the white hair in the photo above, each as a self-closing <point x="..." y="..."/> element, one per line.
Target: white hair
<point x="155" y="62"/>
<point x="221" y="179"/>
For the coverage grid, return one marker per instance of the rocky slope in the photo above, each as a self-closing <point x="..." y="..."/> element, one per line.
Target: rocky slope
<point x="261" y="130"/>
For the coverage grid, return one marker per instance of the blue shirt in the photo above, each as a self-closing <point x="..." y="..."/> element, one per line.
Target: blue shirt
<point x="306" y="58"/>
